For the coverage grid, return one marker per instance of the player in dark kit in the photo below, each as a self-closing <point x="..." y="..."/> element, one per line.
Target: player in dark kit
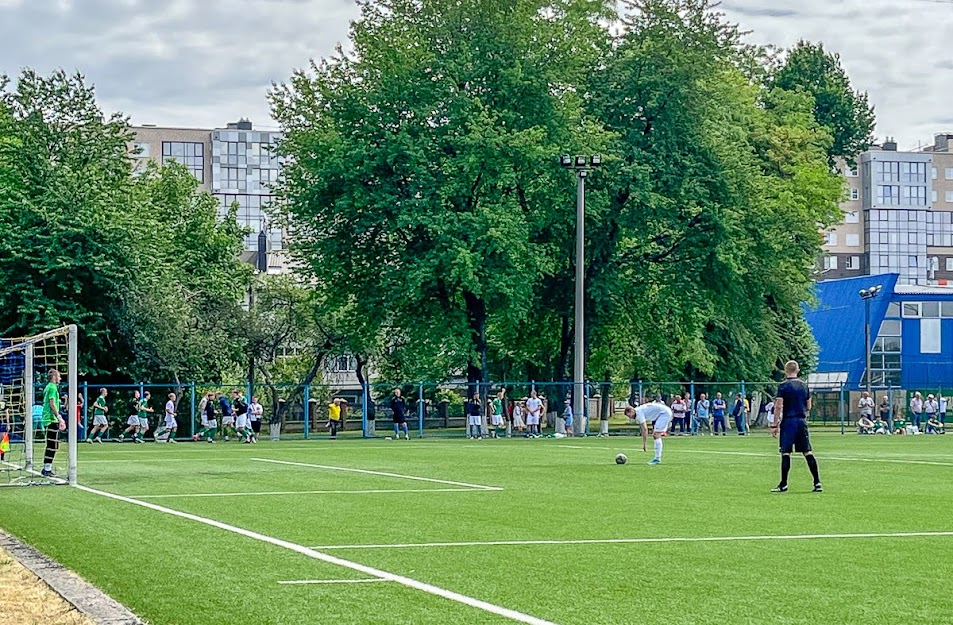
<point x="791" y="408"/>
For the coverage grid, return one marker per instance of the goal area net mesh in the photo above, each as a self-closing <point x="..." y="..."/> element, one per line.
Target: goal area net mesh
<point x="39" y="408"/>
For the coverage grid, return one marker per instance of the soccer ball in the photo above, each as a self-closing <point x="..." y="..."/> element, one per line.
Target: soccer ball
<point x="388" y="438"/>
<point x="621" y="459"/>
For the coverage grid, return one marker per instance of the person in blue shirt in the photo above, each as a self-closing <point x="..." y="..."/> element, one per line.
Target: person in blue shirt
<point x="718" y="409"/>
<point x="228" y="416"/>
<point x="702" y="406"/>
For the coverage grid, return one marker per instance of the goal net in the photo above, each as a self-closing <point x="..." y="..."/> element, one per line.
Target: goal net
<point x="38" y="396"/>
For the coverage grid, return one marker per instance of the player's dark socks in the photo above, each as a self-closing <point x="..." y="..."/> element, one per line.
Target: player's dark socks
<point x="812" y="465"/>
<point x="785" y="469"/>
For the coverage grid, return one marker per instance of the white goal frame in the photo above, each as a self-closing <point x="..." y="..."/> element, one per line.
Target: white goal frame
<point x="27" y="345"/>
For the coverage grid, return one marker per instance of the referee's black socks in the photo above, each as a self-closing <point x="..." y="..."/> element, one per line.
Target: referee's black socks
<point x="812" y="465"/>
<point x="785" y="469"/>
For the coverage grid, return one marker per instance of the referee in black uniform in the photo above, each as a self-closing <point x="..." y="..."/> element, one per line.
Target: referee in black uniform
<point x="791" y="408"/>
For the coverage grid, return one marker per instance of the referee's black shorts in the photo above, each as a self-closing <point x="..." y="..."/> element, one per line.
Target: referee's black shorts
<point x="794" y="436"/>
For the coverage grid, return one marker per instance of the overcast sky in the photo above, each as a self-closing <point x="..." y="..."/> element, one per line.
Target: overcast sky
<point x="201" y="63"/>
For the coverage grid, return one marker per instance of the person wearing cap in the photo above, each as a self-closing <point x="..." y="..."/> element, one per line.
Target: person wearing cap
<point x="930" y="408"/>
<point x="567" y="416"/>
<point x="334" y="416"/>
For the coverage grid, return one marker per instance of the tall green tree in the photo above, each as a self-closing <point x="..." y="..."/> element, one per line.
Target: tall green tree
<point x="423" y="180"/>
<point x="65" y="255"/>
<point x="845" y="112"/>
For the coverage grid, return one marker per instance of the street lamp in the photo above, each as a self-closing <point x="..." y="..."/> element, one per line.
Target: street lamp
<point x="582" y="165"/>
<point x="867" y="295"/>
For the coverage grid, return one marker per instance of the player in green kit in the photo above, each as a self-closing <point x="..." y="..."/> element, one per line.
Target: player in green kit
<point x="52" y="422"/>
<point x="144" y="411"/>
<point x="100" y="423"/>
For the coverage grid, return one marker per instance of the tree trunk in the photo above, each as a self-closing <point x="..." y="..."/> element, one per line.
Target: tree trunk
<point x="565" y="348"/>
<point x="476" y="316"/>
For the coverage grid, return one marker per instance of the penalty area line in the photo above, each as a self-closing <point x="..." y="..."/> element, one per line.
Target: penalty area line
<point x="329" y="559"/>
<point x="312" y="492"/>
<point x="626" y="541"/>
<point x="380" y="473"/>
<point x="294" y="582"/>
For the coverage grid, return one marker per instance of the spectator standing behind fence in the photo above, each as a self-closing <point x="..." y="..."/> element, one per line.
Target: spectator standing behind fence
<point x="255" y="411"/>
<point x="474" y="418"/>
<point x="866" y="405"/>
<point x="916" y="409"/>
<point x="719" y="409"/>
<point x="740" y="413"/>
<point x="930" y="408"/>
<point x="885" y="411"/>
<point x="534" y="408"/>
<point x="679" y="410"/>
<point x="702" y="407"/>
<point x="399" y="407"/>
<point x="334" y="416"/>
<point x="942" y="414"/>
<point x="567" y="417"/>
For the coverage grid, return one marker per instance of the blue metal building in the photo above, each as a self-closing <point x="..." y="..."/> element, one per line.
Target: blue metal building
<point x="911" y="328"/>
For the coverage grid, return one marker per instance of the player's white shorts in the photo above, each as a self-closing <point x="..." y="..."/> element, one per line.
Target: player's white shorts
<point x="204" y="422"/>
<point x="144" y="424"/>
<point x="474" y="420"/>
<point x="661" y="424"/>
<point x="243" y="422"/>
<point x="518" y="420"/>
<point x="171" y="423"/>
<point x="134" y="420"/>
<point x="228" y="421"/>
<point x="100" y="420"/>
<point x="532" y="420"/>
<point x="497" y="420"/>
<point x="211" y="424"/>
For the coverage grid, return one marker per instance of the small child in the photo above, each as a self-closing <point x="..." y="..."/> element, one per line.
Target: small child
<point x="567" y="417"/>
<point x="899" y="425"/>
<point x="518" y="422"/>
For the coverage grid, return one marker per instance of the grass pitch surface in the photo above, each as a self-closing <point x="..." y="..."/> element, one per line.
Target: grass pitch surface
<point x="503" y="531"/>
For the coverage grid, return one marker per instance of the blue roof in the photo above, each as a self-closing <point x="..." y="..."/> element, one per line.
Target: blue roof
<point x="837" y="320"/>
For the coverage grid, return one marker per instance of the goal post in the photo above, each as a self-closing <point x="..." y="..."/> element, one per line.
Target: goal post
<point x="25" y="363"/>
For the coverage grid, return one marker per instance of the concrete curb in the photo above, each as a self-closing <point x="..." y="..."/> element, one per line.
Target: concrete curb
<point x="98" y="606"/>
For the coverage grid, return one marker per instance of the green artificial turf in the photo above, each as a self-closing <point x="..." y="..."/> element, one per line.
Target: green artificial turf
<point x="172" y="570"/>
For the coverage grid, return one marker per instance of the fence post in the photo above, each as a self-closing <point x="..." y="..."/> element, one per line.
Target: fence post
<point x="840" y="408"/>
<point x="420" y="409"/>
<point x="86" y="407"/>
<point x="584" y="426"/>
<point x="307" y="410"/>
<point x="744" y="414"/>
<point x="364" y="410"/>
<point x="890" y="407"/>
<point x="192" y="409"/>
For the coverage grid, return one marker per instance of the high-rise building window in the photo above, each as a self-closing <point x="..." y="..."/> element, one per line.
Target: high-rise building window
<point x="830" y="238"/>
<point x="853" y="217"/>
<point x="913" y="172"/>
<point x="830" y="262"/>
<point x="949" y="196"/>
<point x="948" y="174"/>
<point x="192" y="155"/>
<point x="141" y="149"/>
<point x="888" y="171"/>
<point x="912" y="261"/>
<point x="888" y="195"/>
<point x="914" y="196"/>
<point x="854" y="193"/>
<point x="949" y="264"/>
<point x="853" y="240"/>
<point x="853" y="262"/>
<point x="851" y="171"/>
<point x="933" y="173"/>
<point x="934" y="197"/>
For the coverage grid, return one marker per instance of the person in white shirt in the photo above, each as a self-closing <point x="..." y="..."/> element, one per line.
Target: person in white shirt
<point x="916" y="409"/>
<point x="660" y="416"/>
<point x="534" y="412"/>
<point x="255" y="411"/>
<point x="866" y="405"/>
<point x="930" y="408"/>
<point x="169" y="425"/>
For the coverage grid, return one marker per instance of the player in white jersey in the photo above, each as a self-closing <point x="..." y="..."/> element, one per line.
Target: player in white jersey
<point x="660" y="416"/>
<point x="170" y="425"/>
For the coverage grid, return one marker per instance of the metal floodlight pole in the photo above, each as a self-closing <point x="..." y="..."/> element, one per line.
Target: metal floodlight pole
<point x="867" y="295"/>
<point x="582" y="165"/>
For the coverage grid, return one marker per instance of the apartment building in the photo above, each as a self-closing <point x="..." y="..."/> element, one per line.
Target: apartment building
<point x="236" y="164"/>
<point x="898" y="216"/>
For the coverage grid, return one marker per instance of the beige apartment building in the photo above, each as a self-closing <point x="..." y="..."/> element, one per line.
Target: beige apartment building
<point x="898" y="216"/>
<point x="236" y="164"/>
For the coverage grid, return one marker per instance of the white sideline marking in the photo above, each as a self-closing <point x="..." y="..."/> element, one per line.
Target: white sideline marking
<point x="323" y="557"/>
<point x="55" y="480"/>
<point x="753" y="454"/>
<point x="625" y="541"/>
<point x="313" y="492"/>
<point x="335" y="581"/>
<point x="381" y="473"/>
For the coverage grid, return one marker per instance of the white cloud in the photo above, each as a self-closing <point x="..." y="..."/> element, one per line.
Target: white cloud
<point x="202" y="63"/>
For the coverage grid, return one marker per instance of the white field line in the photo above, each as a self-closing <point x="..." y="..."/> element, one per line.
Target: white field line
<point x="329" y="559"/>
<point x="627" y="541"/>
<point x="333" y="581"/>
<point x="313" y="492"/>
<point x="753" y="454"/>
<point x="380" y="473"/>
<point x="55" y="480"/>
